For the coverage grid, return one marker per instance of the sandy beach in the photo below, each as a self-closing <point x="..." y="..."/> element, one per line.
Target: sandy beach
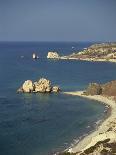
<point x="107" y="129"/>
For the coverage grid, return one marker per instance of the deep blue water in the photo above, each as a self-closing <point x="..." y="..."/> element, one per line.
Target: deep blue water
<point x="41" y="124"/>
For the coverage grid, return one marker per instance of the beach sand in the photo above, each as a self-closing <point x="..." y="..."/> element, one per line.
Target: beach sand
<point x="103" y="132"/>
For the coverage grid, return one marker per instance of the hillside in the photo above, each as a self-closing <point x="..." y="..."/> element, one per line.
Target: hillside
<point x="96" y="52"/>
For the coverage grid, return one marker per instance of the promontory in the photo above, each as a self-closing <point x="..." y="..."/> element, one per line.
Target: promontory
<point x="96" y="52"/>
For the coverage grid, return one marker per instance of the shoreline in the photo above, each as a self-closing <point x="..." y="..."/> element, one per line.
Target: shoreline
<point x="88" y="59"/>
<point x="102" y="132"/>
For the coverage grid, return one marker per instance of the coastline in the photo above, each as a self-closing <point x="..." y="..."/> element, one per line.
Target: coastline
<point x="103" y="131"/>
<point x="89" y="59"/>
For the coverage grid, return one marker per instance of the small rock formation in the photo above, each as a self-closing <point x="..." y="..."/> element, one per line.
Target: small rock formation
<point x="27" y="86"/>
<point x="34" y="56"/>
<point x="94" y="89"/>
<point x="42" y="85"/>
<point x="55" y="89"/>
<point x="53" y="55"/>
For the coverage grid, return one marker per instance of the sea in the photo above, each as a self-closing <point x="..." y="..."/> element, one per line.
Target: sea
<point x="44" y="124"/>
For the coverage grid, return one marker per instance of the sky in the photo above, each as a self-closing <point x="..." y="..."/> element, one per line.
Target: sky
<point x="57" y="20"/>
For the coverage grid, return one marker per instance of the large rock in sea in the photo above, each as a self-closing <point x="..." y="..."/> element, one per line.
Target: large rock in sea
<point x="94" y="89"/>
<point x="53" y="55"/>
<point x="42" y="85"/>
<point x="34" y="56"/>
<point x="28" y="86"/>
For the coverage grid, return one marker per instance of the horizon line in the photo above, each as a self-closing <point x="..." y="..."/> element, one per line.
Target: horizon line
<point x="52" y="41"/>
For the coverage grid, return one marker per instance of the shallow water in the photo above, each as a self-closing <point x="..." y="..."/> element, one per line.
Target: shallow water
<point x="41" y="124"/>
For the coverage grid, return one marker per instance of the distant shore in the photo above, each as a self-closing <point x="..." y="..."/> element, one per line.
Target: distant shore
<point x="102" y="52"/>
<point x="89" y="59"/>
<point x="103" y="132"/>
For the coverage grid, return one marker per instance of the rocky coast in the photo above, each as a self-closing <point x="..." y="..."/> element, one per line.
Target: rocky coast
<point x="103" y="140"/>
<point x="96" y="52"/>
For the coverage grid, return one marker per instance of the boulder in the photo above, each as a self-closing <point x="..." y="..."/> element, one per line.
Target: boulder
<point x="40" y="88"/>
<point x="43" y="85"/>
<point x="53" y="55"/>
<point x="55" y="89"/>
<point x="94" y="89"/>
<point x="34" y="56"/>
<point x="27" y="86"/>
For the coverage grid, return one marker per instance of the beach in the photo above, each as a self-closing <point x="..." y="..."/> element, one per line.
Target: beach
<point x="105" y="131"/>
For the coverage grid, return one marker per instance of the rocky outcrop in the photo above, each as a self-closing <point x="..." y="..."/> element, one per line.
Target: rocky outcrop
<point x="94" y="89"/>
<point x="108" y="89"/>
<point x="42" y="85"/>
<point x="34" y="56"/>
<point x="53" y="55"/>
<point x="101" y="148"/>
<point x="27" y="86"/>
<point x="55" y="89"/>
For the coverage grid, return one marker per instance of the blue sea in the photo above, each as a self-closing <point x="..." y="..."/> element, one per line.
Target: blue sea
<point x="42" y="124"/>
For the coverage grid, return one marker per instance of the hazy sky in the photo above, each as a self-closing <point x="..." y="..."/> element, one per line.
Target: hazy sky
<point x="57" y="20"/>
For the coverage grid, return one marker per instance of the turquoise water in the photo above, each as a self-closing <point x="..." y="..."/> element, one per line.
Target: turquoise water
<point x="41" y="124"/>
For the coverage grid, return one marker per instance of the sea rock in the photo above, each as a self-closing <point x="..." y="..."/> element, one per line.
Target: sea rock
<point x="34" y="56"/>
<point x="27" y="86"/>
<point x="53" y="55"/>
<point x="43" y="85"/>
<point x="56" y="89"/>
<point x="94" y="89"/>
